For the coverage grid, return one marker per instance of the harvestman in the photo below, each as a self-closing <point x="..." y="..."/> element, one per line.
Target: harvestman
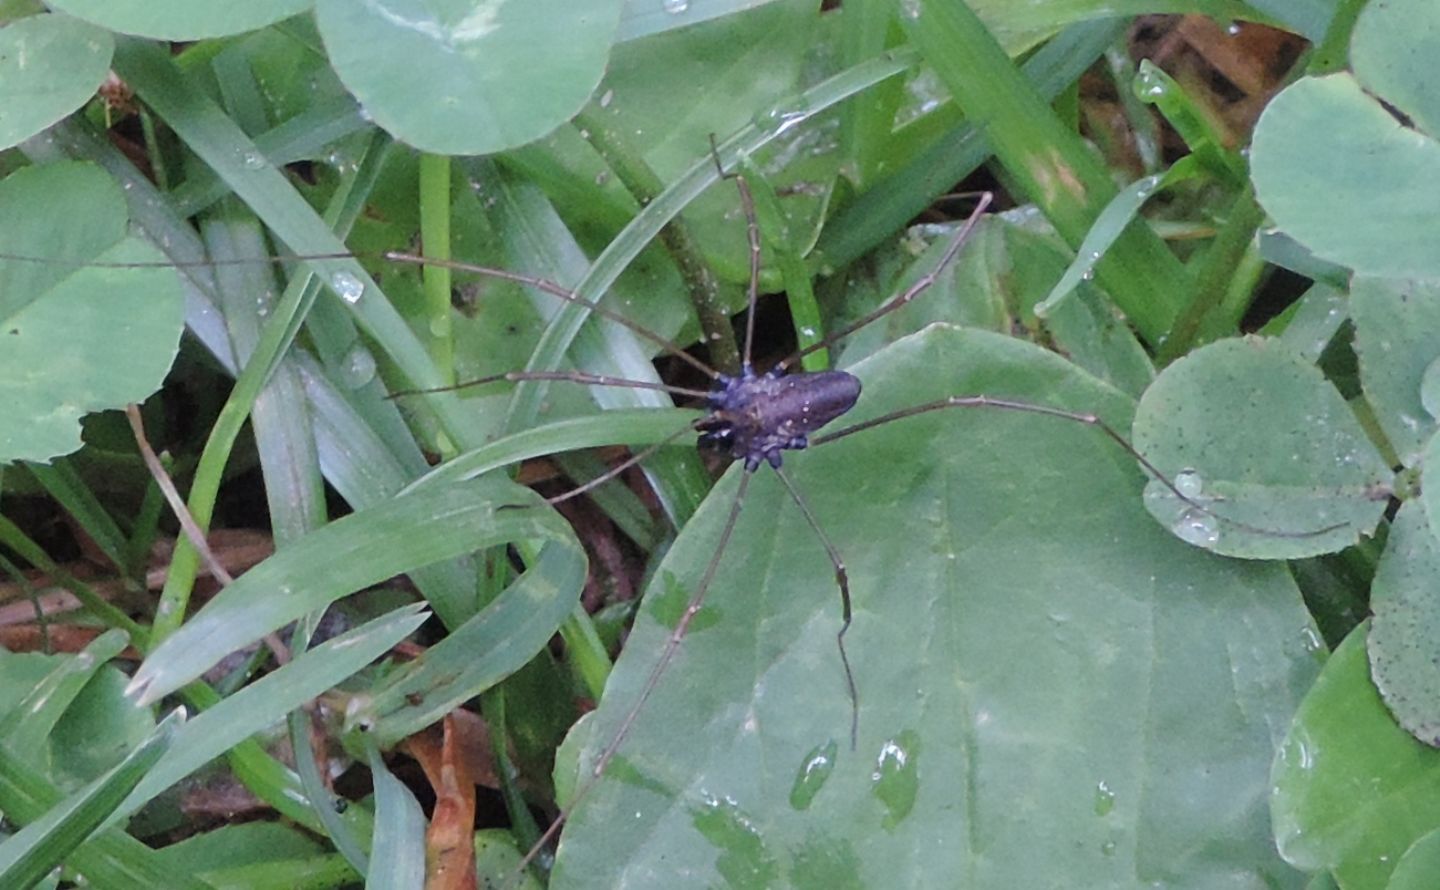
<point x="754" y="418"/>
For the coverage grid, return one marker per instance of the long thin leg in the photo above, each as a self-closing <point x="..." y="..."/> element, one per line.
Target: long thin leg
<point x="624" y="465"/>
<point x="672" y="645"/>
<point x="564" y="293"/>
<point x="549" y="287"/>
<point x="752" y="231"/>
<point x="1078" y="417"/>
<point x="910" y="293"/>
<point x="564" y="376"/>
<point x="843" y="581"/>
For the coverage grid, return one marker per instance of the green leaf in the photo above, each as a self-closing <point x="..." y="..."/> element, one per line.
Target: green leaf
<point x="1417" y="869"/>
<point x="364" y="548"/>
<point x="50" y="65"/>
<point x="43" y="844"/>
<point x="1266" y="446"/>
<point x="1117" y="215"/>
<point x="1035" y="659"/>
<point x="182" y="19"/>
<point x="1346" y="773"/>
<point x="75" y="338"/>
<point x="399" y="847"/>
<point x="1406" y="623"/>
<point x="267" y="700"/>
<point x="1397" y="337"/>
<point x="1343" y="174"/>
<point x="486" y="649"/>
<point x="493" y="75"/>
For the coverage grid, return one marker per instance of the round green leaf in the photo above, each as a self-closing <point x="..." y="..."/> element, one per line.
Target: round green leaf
<point x="1405" y="600"/>
<point x="466" y="78"/>
<point x="1268" y="449"/>
<point x="1417" y="869"/>
<point x="1395" y="53"/>
<point x="50" y="65"/>
<point x="1036" y="662"/>
<point x="1397" y="337"/>
<point x="75" y="338"/>
<point x="1343" y="175"/>
<point x="1353" y="790"/>
<point x="182" y="19"/>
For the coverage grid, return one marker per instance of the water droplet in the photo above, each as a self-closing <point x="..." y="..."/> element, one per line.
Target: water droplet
<point x="1189" y="483"/>
<point x="896" y="781"/>
<point x="348" y="287"/>
<point x="602" y="177"/>
<point x="359" y="367"/>
<point x="814" y="771"/>
<point x="1198" y="528"/>
<point x="675" y="7"/>
<point x="1107" y="848"/>
<point x="744" y="857"/>
<point x="1104" y="799"/>
<point x="1430" y="389"/>
<point x="606" y="98"/>
<point x="252" y="160"/>
<point x="1233" y="28"/>
<point x="910" y="9"/>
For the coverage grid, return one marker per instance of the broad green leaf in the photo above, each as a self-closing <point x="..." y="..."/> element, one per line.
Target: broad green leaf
<point x="1397" y="338"/>
<point x="50" y="65"/>
<point x="1266" y="447"/>
<point x="1406" y="624"/>
<point x="1417" y="869"/>
<point x="469" y="78"/>
<point x="75" y="722"/>
<point x="42" y="707"/>
<point x="1353" y="790"/>
<point x="1036" y="659"/>
<point x="497" y="861"/>
<point x="679" y="88"/>
<point x="1340" y="171"/>
<point x="46" y="842"/>
<point x="244" y="845"/>
<point x="182" y="19"/>
<point x="75" y="338"/>
<point x="1393" y="51"/>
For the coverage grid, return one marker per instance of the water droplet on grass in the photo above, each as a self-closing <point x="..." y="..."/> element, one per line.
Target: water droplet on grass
<point x="359" y="366"/>
<point x="348" y="287"/>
